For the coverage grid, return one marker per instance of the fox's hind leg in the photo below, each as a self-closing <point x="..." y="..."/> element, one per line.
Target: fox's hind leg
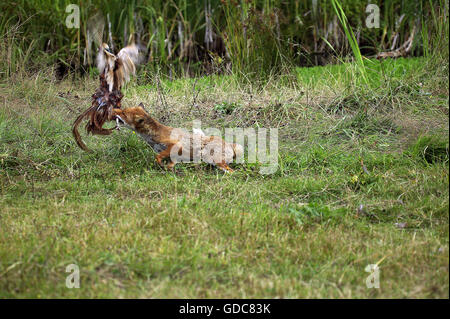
<point x="224" y="167"/>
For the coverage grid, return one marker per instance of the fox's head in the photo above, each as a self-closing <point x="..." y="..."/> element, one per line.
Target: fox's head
<point x="134" y="118"/>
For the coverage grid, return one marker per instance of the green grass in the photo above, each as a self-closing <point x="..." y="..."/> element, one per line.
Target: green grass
<point x="376" y="71"/>
<point x="353" y="165"/>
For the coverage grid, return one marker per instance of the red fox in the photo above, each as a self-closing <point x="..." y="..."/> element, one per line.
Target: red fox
<point x="177" y="144"/>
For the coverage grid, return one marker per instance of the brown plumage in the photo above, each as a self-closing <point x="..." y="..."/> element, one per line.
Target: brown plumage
<point x="114" y="71"/>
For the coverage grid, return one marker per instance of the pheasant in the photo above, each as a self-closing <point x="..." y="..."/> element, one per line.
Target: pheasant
<point x="114" y="72"/>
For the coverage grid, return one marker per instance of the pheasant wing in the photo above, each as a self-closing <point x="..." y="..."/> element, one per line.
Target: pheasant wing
<point x="127" y="59"/>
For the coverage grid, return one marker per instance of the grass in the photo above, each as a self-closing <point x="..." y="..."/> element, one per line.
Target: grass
<point x="354" y="164"/>
<point x="340" y="13"/>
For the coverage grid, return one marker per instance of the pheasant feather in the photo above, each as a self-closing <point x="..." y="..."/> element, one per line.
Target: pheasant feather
<point x="115" y="71"/>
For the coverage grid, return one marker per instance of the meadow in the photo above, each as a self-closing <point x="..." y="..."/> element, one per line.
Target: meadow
<point x="363" y="178"/>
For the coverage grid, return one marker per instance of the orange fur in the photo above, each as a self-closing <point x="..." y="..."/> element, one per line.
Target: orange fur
<point x="160" y="136"/>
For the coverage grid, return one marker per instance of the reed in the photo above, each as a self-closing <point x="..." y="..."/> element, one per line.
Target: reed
<point x="350" y="37"/>
<point x="188" y="38"/>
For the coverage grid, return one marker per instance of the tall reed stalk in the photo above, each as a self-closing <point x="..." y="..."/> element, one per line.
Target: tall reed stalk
<point x="187" y="38"/>
<point x="351" y="38"/>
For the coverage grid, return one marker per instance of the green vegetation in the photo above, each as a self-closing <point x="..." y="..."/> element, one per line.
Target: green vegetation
<point x="363" y="162"/>
<point x="247" y="38"/>
<point x="362" y="179"/>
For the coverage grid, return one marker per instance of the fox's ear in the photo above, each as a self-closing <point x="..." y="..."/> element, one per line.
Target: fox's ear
<point x="141" y="105"/>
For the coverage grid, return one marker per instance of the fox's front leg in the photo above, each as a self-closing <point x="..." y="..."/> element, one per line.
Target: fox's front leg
<point x="224" y="167"/>
<point x="171" y="165"/>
